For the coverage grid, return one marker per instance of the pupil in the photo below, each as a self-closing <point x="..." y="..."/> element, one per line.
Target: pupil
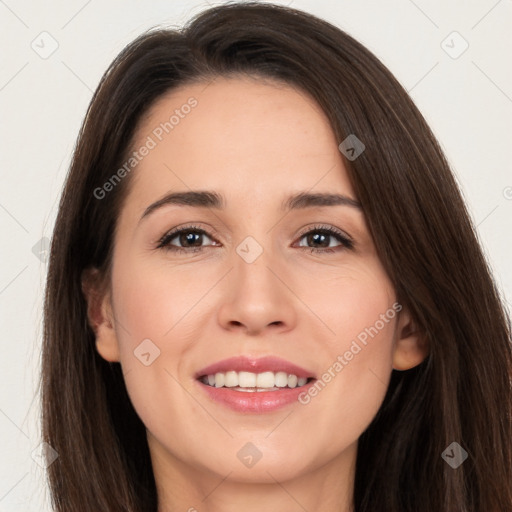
<point x="189" y="237"/>
<point x="315" y="238"/>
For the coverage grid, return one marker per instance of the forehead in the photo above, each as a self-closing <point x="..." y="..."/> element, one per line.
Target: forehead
<point x="243" y="136"/>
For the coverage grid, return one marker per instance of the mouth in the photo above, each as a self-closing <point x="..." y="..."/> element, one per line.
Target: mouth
<point x="254" y="385"/>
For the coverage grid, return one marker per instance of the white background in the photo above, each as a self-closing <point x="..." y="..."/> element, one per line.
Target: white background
<point x="466" y="100"/>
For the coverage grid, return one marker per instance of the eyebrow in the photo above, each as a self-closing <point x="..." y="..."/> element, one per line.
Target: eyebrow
<point x="211" y="199"/>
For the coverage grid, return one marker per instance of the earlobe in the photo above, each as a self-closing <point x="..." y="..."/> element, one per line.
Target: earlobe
<point x="99" y="314"/>
<point x="410" y="348"/>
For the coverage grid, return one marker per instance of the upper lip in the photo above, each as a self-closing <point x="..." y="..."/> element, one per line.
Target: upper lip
<point x="259" y="365"/>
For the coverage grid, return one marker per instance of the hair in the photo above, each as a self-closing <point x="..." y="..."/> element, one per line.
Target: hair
<point x="417" y="218"/>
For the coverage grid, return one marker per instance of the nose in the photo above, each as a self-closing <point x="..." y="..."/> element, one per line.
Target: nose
<point x="258" y="296"/>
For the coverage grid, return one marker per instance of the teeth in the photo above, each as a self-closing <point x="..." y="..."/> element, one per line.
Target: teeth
<point x="265" y="380"/>
<point x="247" y="381"/>
<point x="219" y="380"/>
<point x="230" y="380"/>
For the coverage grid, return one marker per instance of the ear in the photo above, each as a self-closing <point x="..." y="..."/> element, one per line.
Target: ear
<point x="99" y="314"/>
<point x="410" y="347"/>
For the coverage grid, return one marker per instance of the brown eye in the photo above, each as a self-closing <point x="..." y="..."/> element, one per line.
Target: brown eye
<point x="189" y="239"/>
<point x="321" y="236"/>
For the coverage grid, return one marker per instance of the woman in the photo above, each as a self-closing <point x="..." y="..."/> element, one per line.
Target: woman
<point x="331" y="339"/>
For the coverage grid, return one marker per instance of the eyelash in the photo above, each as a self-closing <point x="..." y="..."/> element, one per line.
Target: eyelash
<point x="164" y="242"/>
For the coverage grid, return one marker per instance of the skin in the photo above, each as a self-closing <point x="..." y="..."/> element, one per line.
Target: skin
<point x="255" y="142"/>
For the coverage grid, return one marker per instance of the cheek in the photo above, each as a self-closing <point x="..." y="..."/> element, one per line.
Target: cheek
<point x="151" y="305"/>
<point x="358" y="355"/>
<point x="153" y="300"/>
<point x="355" y="303"/>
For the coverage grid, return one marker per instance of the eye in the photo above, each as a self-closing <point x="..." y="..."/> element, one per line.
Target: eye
<point x="190" y="239"/>
<point x="321" y="235"/>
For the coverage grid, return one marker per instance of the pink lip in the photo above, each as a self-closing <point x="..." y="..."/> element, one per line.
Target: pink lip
<point x="247" y="364"/>
<point x="257" y="402"/>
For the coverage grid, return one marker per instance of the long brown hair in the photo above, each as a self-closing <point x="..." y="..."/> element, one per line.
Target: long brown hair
<point x="421" y="229"/>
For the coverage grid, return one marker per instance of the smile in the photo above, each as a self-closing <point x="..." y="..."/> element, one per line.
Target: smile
<point x="254" y="385"/>
<point x="253" y="382"/>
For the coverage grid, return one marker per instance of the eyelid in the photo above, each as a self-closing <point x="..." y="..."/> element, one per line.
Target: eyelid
<point x="171" y="233"/>
<point x="326" y="227"/>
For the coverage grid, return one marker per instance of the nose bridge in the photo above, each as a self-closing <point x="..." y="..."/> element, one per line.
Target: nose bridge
<point x="257" y="297"/>
<point x="256" y="252"/>
<point x="253" y="260"/>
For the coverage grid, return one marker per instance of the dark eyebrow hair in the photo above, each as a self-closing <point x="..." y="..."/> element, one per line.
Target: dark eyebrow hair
<point x="211" y="199"/>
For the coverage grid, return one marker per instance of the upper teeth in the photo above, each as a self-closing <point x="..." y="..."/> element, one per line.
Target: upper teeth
<point x="268" y="380"/>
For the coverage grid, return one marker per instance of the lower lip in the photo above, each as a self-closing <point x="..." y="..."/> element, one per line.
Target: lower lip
<point x="257" y="401"/>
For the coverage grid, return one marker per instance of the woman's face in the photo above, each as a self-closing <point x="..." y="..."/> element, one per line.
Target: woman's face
<point x="263" y="281"/>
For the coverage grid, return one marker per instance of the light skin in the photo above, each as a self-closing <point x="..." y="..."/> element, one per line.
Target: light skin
<point x="256" y="143"/>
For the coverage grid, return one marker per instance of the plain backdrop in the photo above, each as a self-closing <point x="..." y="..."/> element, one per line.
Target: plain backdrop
<point x="52" y="57"/>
